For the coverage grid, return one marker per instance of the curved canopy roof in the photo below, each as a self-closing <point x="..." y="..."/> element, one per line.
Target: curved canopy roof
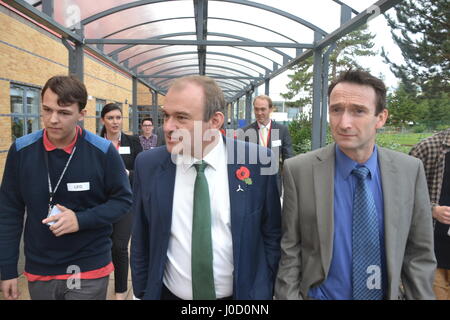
<point x="240" y="43"/>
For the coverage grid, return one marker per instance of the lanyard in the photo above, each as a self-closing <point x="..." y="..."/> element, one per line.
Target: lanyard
<point x="50" y="190"/>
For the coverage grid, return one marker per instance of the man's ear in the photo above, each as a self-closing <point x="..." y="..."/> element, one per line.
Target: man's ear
<point x="217" y="120"/>
<point x="382" y="117"/>
<point x="83" y="114"/>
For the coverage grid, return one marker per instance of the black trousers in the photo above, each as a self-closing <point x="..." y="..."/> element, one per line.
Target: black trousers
<point x="120" y="239"/>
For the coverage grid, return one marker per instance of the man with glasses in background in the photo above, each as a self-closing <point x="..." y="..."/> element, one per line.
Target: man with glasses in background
<point x="148" y="139"/>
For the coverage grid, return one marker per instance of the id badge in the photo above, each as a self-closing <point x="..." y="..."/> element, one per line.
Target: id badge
<point x="276" y="143"/>
<point x="124" y="150"/>
<point x="52" y="210"/>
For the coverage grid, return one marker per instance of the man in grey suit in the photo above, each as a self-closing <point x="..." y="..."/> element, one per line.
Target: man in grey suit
<point x="321" y="251"/>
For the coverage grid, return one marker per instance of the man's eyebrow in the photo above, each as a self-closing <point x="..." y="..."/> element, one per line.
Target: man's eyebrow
<point x="179" y="113"/>
<point x="61" y="106"/>
<point x="354" y="105"/>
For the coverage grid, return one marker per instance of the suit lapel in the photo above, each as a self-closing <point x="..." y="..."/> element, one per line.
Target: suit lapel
<point x="273" y="125"/>
<point x="256" y="127"/>
<point x="389" y="174"/>
<point x="165" y="187"/>
<point x="323" y="173"/>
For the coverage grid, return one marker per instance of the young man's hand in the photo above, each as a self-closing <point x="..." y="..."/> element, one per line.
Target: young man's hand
<point x="65" y="222"/>
<point x="10" y="289"/>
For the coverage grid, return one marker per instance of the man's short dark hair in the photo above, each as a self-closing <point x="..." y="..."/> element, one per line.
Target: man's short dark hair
<point x="146" y="119"/>
<point x="68" y="89"/>
<point x="362" y="77"/>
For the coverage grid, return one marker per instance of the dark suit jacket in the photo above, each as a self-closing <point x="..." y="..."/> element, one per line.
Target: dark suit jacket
<point x="128" y="159"/>
<point x="255" y="224"/>
<point x="281" y="133"/>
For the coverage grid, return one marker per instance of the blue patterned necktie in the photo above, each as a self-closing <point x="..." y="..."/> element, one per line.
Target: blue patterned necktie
<point x="366" y="264"/>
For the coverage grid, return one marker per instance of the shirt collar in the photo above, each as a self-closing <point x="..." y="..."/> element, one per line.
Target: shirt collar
<point x="214" y="158"/>
<point x="144" y="137"/>
<point x="267" y="126"/>
<point x="120" y="137"/>
<point x="68" y="149"/>
<point x="346" y="165"/>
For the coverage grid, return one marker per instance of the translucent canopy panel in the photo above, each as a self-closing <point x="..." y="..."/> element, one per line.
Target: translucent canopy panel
<point x="246" y="41"/>
<point x="162" y="66"/>
<point x="165" y="62"/>
<point x="225" y="71"/>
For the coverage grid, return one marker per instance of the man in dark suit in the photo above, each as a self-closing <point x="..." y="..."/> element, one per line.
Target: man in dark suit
<point x="267" y="132"/>
<point x="239" y="240"/>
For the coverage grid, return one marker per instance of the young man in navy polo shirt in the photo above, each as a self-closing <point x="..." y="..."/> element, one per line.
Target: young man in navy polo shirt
<point x="73" y="186"/>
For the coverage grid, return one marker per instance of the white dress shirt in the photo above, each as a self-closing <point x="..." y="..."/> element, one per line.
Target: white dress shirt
<point x="264" y="133"/>
<point x="177" y="274"/>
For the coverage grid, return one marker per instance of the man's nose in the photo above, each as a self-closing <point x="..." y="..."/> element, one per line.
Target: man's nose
<point x="169" y="125"/>
<point x="346" y="120"/>
<point x="54" y="117"/>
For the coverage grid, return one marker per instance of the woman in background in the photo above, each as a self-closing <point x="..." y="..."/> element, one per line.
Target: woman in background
<point x="128" y="147"/>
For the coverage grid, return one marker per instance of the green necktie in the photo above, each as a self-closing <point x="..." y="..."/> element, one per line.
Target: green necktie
<point x="201" y="254"/>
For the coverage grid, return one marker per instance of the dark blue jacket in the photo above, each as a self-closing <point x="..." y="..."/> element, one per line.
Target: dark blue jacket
<point x="255" y="222"/>
<point x="25" y="188"/>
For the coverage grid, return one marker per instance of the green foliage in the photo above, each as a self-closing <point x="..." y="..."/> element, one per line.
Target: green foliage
<point x="348" y="48"/>
<point x="421" y="29"/>
<point x="355" y="44"/>
<point x="300" y="130"/>
<point x="402" y="142"/>
<point x="301" y="81"/>
<point x="414" y="108"/>
<point x="419" y="129"/>
<point x="404" y="108"/>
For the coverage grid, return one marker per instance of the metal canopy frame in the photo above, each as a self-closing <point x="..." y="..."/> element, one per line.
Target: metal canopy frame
<point x="250" y="64"/>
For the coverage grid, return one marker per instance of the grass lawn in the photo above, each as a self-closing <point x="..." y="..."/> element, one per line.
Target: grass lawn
<point x="402" y="142"/>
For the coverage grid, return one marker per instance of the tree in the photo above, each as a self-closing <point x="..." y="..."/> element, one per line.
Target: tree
<point x="300" y="130"/>
<point x="404" y="109"/>
<point x="425" y="45"/>
<point x="348" y="48"/>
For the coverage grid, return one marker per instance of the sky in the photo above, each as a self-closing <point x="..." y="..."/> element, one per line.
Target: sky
<point x="377" y="66"/>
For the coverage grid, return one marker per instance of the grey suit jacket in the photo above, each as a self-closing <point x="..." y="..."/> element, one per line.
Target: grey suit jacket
<point x="308" y="226"/>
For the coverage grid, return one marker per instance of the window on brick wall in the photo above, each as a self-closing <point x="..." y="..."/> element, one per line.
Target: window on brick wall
<point x="99" y="104"/>
<point x="25" y="103"/>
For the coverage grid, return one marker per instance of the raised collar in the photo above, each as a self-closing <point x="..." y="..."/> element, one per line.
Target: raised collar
<point x="68" y="149"/>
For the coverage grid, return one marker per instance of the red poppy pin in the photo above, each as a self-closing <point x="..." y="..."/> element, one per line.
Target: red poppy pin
<point x="243" y="174"/>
